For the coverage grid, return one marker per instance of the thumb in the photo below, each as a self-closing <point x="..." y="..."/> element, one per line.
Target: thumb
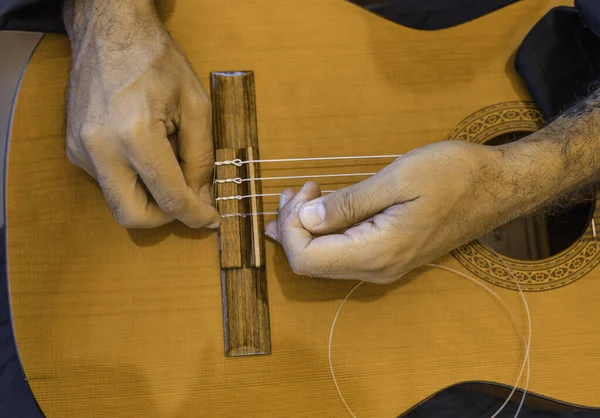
<point x="349" y="206"/>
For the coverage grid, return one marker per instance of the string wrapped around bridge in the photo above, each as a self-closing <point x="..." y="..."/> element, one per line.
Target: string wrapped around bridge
<point x="238" y="162"/>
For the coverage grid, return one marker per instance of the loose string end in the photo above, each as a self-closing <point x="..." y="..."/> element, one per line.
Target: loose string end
<point x="526" y="341"/>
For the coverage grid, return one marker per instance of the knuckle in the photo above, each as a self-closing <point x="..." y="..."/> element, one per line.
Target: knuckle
<point x="287" y="218"/>
<point x="91" y="137"/>
<point x="298" y="266"/>
<point x="90" y="132"/>
<point x="72" y="155"/>
<point x="200" y="102"/>
<point x="344" y="206"/>
<point x="122" y="215"/>
<point x="200" y="161"/>
<point x="112" y="197"/>
<point x="384" y="279"/>
<point x="297" y="269"/>
<point x="135" y="130"/>
<point x="129" y="223"/>
<point x="125" y="217"/>
<point x="173" y="203"/>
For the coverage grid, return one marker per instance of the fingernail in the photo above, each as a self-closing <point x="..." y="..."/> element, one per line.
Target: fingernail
<point x="214" y="225"/>
<point x="267" y="233"/>
<point x="282" y="200"/>
<point x="303" y="187"/>
<point x="312" y="214"/>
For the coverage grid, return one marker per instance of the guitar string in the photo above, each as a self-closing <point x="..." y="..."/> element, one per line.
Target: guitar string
<point x="530" y="331"/>
<point x="246" y="215"/>
<point x="239" y="180"/>
<point x="527" y="343"/>
<point x="240" y="197"/>
<point x="239" y="162"/>
<point x="247" y="196"/>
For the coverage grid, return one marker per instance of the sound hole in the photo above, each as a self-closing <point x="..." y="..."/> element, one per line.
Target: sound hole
<point x="541" y="234"/>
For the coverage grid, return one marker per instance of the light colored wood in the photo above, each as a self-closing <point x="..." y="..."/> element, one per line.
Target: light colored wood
<point x="257" y="227"/>
<point x="122" y="323"/>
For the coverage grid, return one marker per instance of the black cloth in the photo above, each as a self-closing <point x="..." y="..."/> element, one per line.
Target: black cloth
<point x="484" y="399"/>
<point x="16" y="399"/>
<point x="431" y="14"/>
<point x="559" y="59"/>
<point x="31" y="15"/>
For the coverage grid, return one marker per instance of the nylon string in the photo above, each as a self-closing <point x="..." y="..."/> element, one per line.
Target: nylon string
<point x="526" y="341"/>
<point x="239" y="180"/>
<point x="238" y="162"/>
<point x="247" y="196"/>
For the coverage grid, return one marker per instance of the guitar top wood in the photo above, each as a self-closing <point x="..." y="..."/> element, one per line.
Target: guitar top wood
<point x="121" y="323"/>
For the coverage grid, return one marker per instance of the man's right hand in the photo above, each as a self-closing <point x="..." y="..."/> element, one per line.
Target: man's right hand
<point x="421" y="206"/>
<point x="138" y="119"/>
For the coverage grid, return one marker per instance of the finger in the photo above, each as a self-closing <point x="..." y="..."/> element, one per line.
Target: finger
<point x="174" y="144"/>
<point x="290" y="201"/>
<point x="156" y="164"/>
<point x="128" y="200"/>
<point x="286" y="196"/>
<point x="81" y="159"/>
<point x="271" y="230"/>
<point x="291" y="233"/>
<point x="348" y="206"/>
<point x="195" y="144"/>
<point x="354" y="255"/>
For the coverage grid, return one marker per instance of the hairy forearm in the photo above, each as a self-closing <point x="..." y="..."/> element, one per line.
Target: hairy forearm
<point x="560" y="160"/>
<point x="120" y="27"/>
<point x="112" y="39"/>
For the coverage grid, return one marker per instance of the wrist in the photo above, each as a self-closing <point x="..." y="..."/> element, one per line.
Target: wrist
<point x="493" y="195"/>
<point x="543" y="167"/>
<point x="113" y="25"/>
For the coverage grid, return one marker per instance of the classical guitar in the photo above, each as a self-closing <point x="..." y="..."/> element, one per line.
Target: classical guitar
<point x="175" y="322"/>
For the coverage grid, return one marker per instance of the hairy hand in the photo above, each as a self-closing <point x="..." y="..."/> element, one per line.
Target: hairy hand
<point x="138" y="119"/>
<point x="423" y="205"/>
